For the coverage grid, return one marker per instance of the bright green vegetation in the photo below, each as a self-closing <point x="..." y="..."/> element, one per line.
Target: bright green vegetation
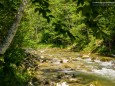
<point x="77" y="25"/>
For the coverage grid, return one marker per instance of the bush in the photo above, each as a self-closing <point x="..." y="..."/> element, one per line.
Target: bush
<point x="11" y="72"/>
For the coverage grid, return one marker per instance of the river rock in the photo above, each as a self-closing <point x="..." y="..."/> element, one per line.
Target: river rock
<point x="74" y="80"/>
<point x="64" y="61"/>
<point x="55" y="61"/>
<point x="62" y="84"/>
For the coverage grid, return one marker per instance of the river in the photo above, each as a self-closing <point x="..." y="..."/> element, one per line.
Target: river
<point x="58" y="66"/>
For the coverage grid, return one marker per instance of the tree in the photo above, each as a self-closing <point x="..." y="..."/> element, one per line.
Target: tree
<point x="12" y="31"/>
<point x="99" y="19"/>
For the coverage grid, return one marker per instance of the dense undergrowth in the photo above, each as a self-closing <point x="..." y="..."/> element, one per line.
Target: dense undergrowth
<point x="11" y="70"/>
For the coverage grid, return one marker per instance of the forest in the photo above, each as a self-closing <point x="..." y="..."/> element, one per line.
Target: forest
<point x="41" y="39"/>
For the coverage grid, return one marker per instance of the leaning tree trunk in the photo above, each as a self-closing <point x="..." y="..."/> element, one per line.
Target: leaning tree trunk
<point x="12" y="31"/>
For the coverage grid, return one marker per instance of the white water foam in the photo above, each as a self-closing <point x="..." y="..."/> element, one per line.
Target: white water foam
<point x="110" y="73"/>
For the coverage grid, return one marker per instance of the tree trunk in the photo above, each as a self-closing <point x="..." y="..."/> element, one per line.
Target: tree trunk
<point x="12" y="31"/>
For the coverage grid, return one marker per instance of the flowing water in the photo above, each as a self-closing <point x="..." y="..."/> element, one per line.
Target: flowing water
<point x="64" y="66"/>
<point x="99" y="73"/>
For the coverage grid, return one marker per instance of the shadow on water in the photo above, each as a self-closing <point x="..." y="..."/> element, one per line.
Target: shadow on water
<point x="90" y="78"/>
